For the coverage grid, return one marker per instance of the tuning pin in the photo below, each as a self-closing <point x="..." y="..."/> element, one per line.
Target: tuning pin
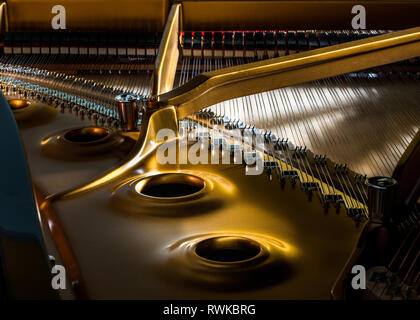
<point x="270" y="174"/>
<point x="19" y="90"/>
<point x="89" y="114"/>
<point x="82" y="113"/>
<point x="128" y="109"/>
<point x="95" y="118"/>
<point x="41" y="98"/>
<point x="61" y="107"/>
<point x="381" y="192"/>
<point x="115" y="124"/>
<point x="49" y="100"/>
<point x="55" y="103"/>
<point x="75" y="109"/>
<point x="101" y="121"/>
<point x="109" y="121"/>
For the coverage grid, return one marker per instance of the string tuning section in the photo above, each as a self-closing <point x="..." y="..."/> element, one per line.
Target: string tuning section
<point x="335" y="184"/>
<point x="83" y="44"/>
<point x="262" y="44"/>
<point x="84" y="98"/>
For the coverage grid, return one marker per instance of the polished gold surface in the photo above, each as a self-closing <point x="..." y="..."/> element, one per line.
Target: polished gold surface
<point x="146" y="15"/>
<point x="150" y="15"/>
<point x="296" y="15"/>
<point x="75" y="144"/>
<point x="215" y="260"/>
<point x="188" y="231"/>
<point x="46" y="127"/>
<point x="216" y="86"/>
<point x="17" y="104"/>
<point x="145" y="145"/>
<point x="298" y="236"/>
<point x="228" y="249"/>
<point x="167" y="59"/>
<point x="171" y="187"/>
<point x="162" y="237"/>
<point x="86" y="135"/>
<point x="4" y="21"/>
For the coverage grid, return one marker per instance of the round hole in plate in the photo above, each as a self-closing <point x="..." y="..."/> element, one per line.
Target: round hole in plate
<point x="170" y="185"/>
<point x="17" y="104"/>
<point x="228" y="249"/>
<point x="86" y="135"/>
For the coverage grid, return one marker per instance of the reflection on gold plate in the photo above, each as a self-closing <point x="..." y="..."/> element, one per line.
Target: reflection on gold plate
<point x="170" y="193"/>
<point x="86" y="135"/>
<point x="86" y="143"/>
<point x="231" y="261"/>
<point x="18" y="104"/>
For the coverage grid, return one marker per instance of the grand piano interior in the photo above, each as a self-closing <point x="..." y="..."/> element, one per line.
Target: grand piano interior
<point x="337" y="109"/>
